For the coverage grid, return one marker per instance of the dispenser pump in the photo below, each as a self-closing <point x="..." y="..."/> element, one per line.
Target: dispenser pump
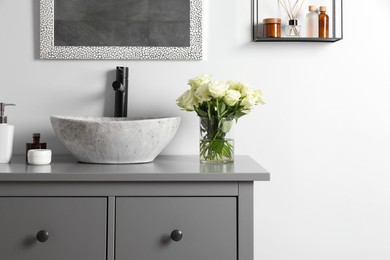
<point x="3" y="118"/>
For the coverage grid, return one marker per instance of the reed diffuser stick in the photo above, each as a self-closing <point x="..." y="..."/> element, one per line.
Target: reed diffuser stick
<point x="292" y="11"/>
<point x="289" y="5"/>
<point x="283" y="4"/>
<point x="299" y="10"/>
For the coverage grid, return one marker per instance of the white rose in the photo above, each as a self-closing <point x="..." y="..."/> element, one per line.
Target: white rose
<point x="235" y="85"/>
<point x="202" y="93"/>
<point x="218" y="89"/>
<point x="258" y="95"/>
<point x="199" y="81"/>
<point x="247" y="91"/>
<point x="187" y="101"/>
<point x="248" y="102"/>
<point x="232" y="97"/>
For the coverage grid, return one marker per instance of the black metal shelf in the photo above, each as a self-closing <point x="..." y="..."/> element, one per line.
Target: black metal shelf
<point x="297" y="39"/>
<point x="336" y="19"/>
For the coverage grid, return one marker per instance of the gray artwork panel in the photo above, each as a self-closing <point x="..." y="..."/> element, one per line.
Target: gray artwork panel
<point x="169" y="34"/>
<point x="101" y="9"/>
<point x="99" y="33"/>
<point x="169" y="10"/>
<point x="137" y="29"/>
<point x="122" y="23"/>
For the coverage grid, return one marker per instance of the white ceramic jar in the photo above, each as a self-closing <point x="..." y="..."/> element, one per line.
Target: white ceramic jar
<point x="39" y="156"/>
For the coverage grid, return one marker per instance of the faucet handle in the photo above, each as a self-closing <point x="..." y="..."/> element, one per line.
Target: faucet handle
<point x="117" y="86"/>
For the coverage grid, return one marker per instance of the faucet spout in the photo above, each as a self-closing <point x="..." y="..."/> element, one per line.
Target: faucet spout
<point x="120" y="86"/>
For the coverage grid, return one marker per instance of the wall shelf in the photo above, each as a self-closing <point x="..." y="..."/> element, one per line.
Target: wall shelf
<point x="298" y="39"/>
<point x="270" y="8"/>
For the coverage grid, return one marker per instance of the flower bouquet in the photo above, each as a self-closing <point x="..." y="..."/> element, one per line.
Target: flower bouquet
<point x="218" y="104"/>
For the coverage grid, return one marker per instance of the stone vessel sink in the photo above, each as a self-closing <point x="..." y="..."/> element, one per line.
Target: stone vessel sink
<point x="114" y="140"/>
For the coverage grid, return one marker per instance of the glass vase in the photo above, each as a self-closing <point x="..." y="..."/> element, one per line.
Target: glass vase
<point x="216" y="144"/>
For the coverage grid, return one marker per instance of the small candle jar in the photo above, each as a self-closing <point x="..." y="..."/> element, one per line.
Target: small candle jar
<point x="271" y="27"/>
<point x="39" y="156"/>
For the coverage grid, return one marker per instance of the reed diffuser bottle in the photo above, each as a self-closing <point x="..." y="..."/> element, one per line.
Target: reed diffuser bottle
<point x="323" y="23"/>
<point x="293" y="29"/>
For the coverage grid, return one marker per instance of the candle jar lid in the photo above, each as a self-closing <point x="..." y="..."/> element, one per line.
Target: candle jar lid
<point x="272" y="20"/>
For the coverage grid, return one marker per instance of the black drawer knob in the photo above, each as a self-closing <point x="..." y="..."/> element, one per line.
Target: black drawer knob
<point x="42" y="236"/>
<point x="176" y="235"/>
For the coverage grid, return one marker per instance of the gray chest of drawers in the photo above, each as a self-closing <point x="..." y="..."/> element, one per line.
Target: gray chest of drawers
<point x="173" y="208"/>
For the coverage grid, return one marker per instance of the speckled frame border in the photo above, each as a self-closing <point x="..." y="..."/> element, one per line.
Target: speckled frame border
<point x="51" y="52"/>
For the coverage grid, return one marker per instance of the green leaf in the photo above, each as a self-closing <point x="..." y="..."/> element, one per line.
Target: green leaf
<point x="239" y="114"/>
<point x="201" y="113"/>
<point x="226" y="126"/>
<point x="227" y="151"/>
<point x="218" y="146"/>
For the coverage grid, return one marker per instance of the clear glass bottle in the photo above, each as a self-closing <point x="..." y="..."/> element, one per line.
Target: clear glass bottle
<point x="323" y="23"/>
<point x="293" y="29"/>
<point x="312" y="22"/>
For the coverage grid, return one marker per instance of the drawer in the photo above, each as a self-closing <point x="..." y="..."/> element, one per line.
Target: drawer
<point x="76" y="228"/>
<point x="145" y="228"/>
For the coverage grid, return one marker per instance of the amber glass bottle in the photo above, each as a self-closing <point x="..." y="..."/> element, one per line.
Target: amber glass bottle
<point x="323" y="23"/>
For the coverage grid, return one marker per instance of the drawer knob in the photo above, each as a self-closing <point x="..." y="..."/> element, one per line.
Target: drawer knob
<point x="42" y="236"/>
<point x="176" y="235"/>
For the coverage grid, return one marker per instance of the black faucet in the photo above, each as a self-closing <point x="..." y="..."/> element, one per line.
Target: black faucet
<point x="120" y="86"/>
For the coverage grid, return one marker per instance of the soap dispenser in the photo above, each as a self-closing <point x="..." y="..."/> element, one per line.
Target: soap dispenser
<point x="6" y="136"/>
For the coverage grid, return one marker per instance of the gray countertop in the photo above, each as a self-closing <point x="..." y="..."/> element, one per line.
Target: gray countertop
<point x="164" y="168"/>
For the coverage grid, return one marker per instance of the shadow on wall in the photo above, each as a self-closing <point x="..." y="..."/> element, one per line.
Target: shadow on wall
<point x="109" y="94"/>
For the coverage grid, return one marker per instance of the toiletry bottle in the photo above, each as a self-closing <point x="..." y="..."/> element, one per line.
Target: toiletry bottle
<point x="323" y="23"/>
<point x="312" y="22"/>
<point x="293" y="29"/>
<point x="6" y="136"/>
<point x="36" y="144"/>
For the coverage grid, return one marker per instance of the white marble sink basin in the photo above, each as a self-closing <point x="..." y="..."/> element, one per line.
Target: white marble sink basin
<point x="114" y="140"/>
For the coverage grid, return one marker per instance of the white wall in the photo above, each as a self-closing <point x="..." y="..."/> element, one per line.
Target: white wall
<point x="324" y="134"/>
